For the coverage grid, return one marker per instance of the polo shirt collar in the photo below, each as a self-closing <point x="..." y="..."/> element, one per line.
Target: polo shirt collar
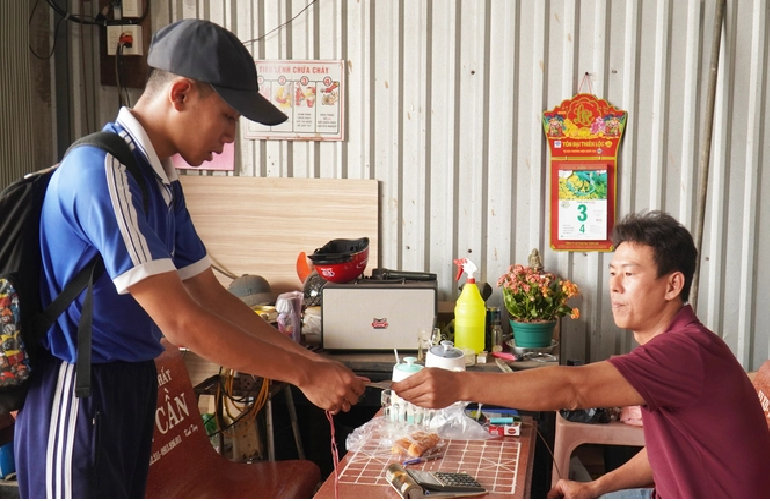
<point x="684" y="317"/>
<point x="163" y="168"/>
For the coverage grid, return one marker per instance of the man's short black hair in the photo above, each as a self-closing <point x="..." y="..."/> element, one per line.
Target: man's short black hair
<point x="672" y="244"/>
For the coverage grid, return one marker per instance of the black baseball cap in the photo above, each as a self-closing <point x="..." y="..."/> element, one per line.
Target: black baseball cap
<point x="207" y="52"/>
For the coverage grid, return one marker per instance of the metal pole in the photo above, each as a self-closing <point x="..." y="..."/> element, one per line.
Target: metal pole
<point x="705" y="150"/>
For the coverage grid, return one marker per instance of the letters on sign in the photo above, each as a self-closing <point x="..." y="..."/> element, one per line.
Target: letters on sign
<point x="169" y="416"/>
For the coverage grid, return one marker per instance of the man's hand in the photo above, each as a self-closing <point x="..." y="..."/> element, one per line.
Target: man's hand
<point x="432" y="388"/>
<point x="574" y="490"/>
<point x="333" y="387"/>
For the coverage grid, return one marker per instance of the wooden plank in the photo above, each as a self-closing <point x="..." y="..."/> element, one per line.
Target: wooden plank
<point x="259" y="225"/>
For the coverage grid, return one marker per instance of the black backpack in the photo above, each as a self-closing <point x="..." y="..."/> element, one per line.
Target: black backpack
<point x="23" y="321"/>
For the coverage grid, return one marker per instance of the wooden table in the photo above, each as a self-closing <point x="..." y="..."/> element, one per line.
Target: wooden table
<point x="503" y="466"/>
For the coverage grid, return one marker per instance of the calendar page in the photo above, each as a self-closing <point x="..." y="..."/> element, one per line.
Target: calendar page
<point x="582" y="205"/>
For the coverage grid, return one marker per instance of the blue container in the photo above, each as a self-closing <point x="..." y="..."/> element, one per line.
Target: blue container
<point x="7" y="463"/>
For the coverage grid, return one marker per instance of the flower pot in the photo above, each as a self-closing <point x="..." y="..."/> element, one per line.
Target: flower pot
<point x="532" y="335"/>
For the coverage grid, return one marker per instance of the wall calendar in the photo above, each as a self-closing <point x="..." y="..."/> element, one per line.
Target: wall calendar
<point x="583" y="136"/>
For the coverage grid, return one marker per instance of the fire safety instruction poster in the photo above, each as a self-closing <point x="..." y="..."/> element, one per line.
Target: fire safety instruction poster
<point x="309" y="93"/>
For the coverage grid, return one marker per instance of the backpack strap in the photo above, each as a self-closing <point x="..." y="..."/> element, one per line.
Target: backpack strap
<point x="118" y="148"/>
<point x="85" y="278"/>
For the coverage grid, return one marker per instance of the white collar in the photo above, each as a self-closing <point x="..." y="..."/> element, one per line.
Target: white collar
<point x="163" y="168"/>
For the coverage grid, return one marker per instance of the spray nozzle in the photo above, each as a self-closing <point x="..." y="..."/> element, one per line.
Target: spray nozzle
<point x="467" y="267"/>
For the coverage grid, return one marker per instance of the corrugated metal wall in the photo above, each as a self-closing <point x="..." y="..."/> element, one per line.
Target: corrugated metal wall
<point x="16" y="144"/>
<point x="443" y="106"/>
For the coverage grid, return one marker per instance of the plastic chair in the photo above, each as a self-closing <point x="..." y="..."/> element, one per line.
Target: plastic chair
<point x="185" y="465"/>
<point x="569" y="435"/>
<point x="761" y="383"/>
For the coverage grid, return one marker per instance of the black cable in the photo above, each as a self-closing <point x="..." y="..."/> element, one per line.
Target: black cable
<point x="34" y="8"/>
<point x="280" y="25"/>
<point x="121" y="83"/>
<point x="229" y="425"/>
<point x="80" y="19"/>
<point x="118" y="52"/>
<point x="232" y="398"/>
<point x="53" y="46"/>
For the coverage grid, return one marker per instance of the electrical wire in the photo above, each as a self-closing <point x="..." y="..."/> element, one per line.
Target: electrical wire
<point x="556" y="467"/>
<point x="80" y="19"/>
<point x="248" y="410"/>
<point x="216" y="265"/>
<point x="119" y="64"/>
<point x="53" y="45"/>
<point x="280" y="25"/>
<point x="118" y="54"/>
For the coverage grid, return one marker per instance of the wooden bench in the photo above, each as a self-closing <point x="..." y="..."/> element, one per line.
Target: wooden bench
<point x="185" y="465"/>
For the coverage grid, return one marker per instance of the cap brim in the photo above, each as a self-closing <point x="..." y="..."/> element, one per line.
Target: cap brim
<point x="252" y="105"/>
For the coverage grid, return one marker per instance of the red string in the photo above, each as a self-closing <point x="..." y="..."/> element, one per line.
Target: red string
<point x="335" y="457"/>
<point x="586" y="78"/>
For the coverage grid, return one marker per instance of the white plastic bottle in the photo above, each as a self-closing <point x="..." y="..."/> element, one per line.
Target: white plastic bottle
<point x="401" y="410"/>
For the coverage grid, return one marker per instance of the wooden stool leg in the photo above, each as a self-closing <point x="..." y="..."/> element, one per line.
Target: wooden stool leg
<point x="294" y="424"/>
<point x="270" y="437"/>
<point x="220" y="406"/>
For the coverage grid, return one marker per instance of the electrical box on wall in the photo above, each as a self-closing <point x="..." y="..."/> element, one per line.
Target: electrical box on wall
<point x="132" y="8"/>
<point x="129" y="21"/>
<point x="129" y="35"/>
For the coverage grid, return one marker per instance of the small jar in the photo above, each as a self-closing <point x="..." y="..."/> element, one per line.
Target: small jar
<point x="401" y="410"/>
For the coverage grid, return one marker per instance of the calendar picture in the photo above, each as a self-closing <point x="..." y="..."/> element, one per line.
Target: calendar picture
<point x="583" y="205"/>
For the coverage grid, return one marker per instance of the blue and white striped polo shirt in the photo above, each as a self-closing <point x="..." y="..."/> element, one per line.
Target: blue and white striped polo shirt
<point x="94" y="205"/>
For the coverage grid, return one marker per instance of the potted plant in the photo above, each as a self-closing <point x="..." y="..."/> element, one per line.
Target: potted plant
<point x="534" y="302"/>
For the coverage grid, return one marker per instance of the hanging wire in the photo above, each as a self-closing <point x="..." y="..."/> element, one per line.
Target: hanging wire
<point x="80" y="19"/>
<point x="118" y="55"/>
<point x="586" y="78"/>
<point x="248" y="409"/>
<point x="55" y="36"/>
<point x="221" y="269"/>
<point x="280" y="25"/>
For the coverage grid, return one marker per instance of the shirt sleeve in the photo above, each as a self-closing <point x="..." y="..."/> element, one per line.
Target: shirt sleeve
<point x="190" y="256"/>
<point x="667" y="371"/>
<point x="104" y="205"/>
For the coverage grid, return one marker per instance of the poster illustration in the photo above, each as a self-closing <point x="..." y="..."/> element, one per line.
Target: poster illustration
<point x="309" y="93"/>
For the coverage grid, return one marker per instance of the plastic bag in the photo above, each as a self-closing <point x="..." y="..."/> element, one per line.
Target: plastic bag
<point x="381" y="435"/>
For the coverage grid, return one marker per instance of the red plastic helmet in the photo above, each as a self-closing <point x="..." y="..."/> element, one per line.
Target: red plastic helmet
<point x="341" y="260"/>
